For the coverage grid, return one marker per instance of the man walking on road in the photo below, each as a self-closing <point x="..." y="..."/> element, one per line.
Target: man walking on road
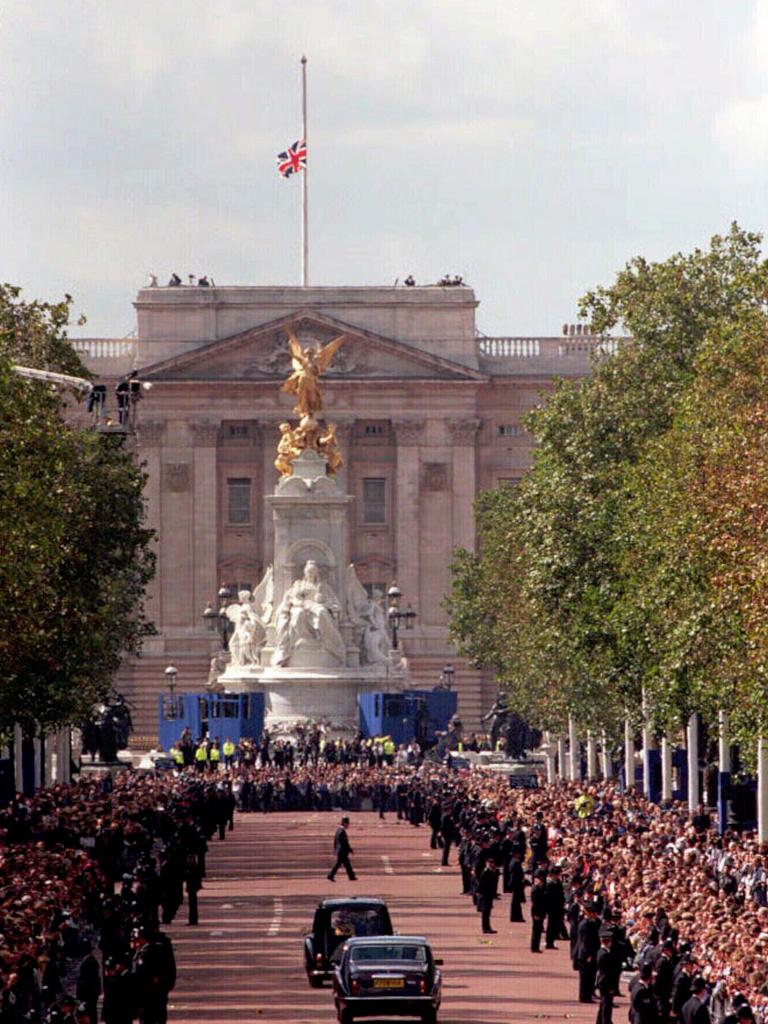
<point x="342" y="849"/>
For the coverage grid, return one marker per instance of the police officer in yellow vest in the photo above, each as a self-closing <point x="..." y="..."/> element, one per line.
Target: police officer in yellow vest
<point x="178" y="757"/>
<point x="214" y="756"/>
<point x="229" y="752"/>
<point x="201" y="756"/>
<point x="389" y="749"/>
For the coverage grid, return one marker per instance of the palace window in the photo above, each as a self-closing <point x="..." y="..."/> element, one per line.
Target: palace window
<point x="509" y="430"/>
<point x="239" y="501"/>
<point x="374" y="500"/>
<point x="237" y="430"/>
<point x="372" y="588"/>
<point x="373" y="431"/>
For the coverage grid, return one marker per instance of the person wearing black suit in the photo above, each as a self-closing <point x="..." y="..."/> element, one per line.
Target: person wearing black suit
<point x="642" y="1009"/>
<point x="516" y="883"/>
<point x="448" y="832"/>
<point x="585" y="953"/>
<point x="665" y="973"/>
<point x="604" y="976"/>
<point x="538" y="910"/>
<point x="695" y="1009"/>
<point x="555" y="906"/>
<point x="342" y="849"/>
<point x="487" y="887"/>
<point x="681" y="985"/>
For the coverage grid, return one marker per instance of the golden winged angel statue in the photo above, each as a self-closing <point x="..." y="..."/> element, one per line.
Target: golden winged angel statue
<point x="308" y="365"/>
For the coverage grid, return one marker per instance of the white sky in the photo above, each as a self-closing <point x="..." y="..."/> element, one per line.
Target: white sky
<point x="531" y="145"/>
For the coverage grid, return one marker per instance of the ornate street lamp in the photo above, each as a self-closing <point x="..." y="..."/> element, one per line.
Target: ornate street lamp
<point x="173" y="705"/>
<point x="396" y="616"/>
<point x="446" y="677"/>
<point x="170" y="677"/>
<point x="219" y="619"/>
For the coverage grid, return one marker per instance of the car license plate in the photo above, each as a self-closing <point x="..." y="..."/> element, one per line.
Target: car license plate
<point x="389" y="982"/>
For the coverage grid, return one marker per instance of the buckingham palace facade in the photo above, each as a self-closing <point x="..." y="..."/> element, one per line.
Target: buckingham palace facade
<point x="428" y="413"/>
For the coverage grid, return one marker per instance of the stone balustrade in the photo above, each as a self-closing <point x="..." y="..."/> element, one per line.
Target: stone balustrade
<point x="562" y="356"/>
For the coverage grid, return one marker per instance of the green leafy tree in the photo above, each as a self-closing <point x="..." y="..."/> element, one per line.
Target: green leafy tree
<point x="74" y="554"/>
<point x="615" y="586"/>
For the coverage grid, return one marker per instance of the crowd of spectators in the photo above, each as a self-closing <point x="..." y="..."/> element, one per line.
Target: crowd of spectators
<point x="88" y="873"/>
<point x="91" y="871"/>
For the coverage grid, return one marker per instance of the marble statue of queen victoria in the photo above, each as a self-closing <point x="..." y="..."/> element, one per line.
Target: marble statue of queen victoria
<point x="306" y="613"/>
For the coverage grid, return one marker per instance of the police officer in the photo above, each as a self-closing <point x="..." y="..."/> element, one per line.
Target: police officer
<point x="605" y="975"/>
<point x="643" y="1000"/>
<point x="695" y="1009"/>
<point x="538" y="909"/>
<point x="487" y="888"/>
<point x="555" y="895"/>
<point x="228" y="750"/>
<point x="517" y="883"/>
<point x="585" y="953"/>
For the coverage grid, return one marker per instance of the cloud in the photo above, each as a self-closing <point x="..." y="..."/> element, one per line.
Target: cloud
<point x="742" y="131"/>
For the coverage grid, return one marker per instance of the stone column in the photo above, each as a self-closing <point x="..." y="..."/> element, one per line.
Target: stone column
<point x="723" y="772"/>
<point x="463" y="437"/>
<point x="345" y="433"/>
<point x="18" y="762"/>
<point x="591" y="757"/>
<point x="692" y="744"/>
<point x="649" y="744"/>
<point x="574" y="758"/>
<point x="409" y="435"/>
<point x="37" y="745"/>
<point x="629" y="755"/>
<point x="666" y="768"/>
<point x="549" y="747"/>
<point x="562" y="769"/>
<point x="63" y="755"/>
<point x="605" y="757"/>
<point x="205" y="436"/>
<point x="150" y="435"/>
<point x="269" y="436"/>
<point x="762" y="790"/>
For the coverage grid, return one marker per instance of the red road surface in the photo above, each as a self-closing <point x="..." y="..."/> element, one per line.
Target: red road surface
<point x="244" y="961"/>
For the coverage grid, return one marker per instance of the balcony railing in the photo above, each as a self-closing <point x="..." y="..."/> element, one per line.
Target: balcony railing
<point x="564" y="355"/>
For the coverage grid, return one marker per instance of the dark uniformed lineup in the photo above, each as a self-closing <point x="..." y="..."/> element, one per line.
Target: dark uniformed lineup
<point x="514" y="855"/>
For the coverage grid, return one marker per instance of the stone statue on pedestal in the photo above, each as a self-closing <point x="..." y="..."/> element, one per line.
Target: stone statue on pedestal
<point x="306" y="613"/>
<point x="250" y="617"/>
<point x="368" y="614"/>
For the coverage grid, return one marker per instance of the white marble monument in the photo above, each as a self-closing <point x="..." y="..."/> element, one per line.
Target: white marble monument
<point x="310" y="637"/>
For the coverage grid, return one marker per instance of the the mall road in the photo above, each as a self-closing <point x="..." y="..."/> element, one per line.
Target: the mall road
<point x="244" y="961"/>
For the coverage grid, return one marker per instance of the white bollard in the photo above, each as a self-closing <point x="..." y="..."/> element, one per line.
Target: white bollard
<point x="574" y="758"/>
<point x="37" y="744"/>
<point x="649" y="744"/>
<point x="549" y="754"/>
<point x="18" y="763"/>
<point x="561" y="763"/>
<point x="605" y="757"/>
<point x="692" y="745"/>
<point x="666" y="768"/>
<point x="629" y="755"/>
<point x="762" y="790"/>
<point x="723" y="772"/>
<point x="591" y="757"/>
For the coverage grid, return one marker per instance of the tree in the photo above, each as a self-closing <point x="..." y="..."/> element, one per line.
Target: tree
<point x="617" y="585"/>
<point x="74" y="554"/>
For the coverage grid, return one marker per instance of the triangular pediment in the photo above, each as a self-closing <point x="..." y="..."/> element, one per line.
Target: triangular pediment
<point x="261" y="353"/>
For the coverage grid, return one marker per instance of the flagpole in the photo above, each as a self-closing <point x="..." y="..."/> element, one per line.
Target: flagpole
<point x="304" y="180"/>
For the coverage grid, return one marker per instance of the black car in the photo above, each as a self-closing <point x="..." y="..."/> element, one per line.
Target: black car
<point x="337" y="920"/>
<point x="388" y="976"/>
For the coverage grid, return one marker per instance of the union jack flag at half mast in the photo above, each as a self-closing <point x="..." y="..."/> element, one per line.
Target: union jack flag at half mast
<point x="293" y="159"/>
